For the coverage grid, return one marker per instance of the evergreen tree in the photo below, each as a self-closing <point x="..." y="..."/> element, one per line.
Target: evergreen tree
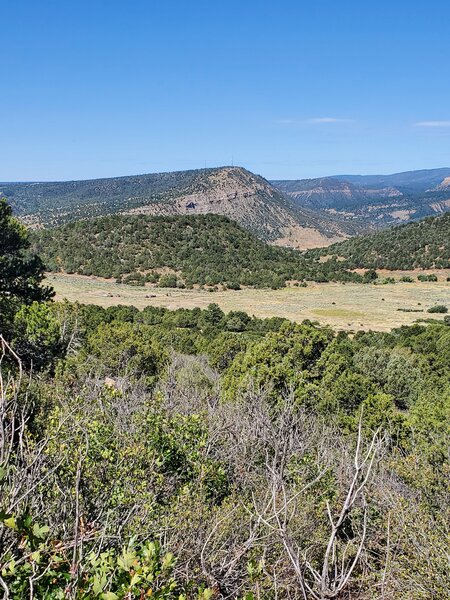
<point x="21" y="273"/>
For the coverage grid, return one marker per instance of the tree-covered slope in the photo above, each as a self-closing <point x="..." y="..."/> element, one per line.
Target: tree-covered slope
<point x="203" y="249"/>
<point x="423" y="244"/>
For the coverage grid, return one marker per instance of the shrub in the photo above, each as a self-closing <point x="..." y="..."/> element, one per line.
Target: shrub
<point x="169" y="281"/>
<point x="439" y="308"/>
<point x="152" y="277"/>
<point x="370" y="275"/>
<point x="427" y="277"/>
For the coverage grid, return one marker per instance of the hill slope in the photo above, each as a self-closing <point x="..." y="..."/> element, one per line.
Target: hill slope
<point x="231" y="191"/>
<point x="205" y="249"/>
<point x="202" y="249"/>
<point x="423" y="244"/>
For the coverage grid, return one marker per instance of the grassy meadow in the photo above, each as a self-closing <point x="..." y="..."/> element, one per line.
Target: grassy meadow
<point x="342" y="306"/>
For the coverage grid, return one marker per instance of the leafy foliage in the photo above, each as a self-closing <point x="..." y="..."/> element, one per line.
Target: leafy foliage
<point x="20" y="273"/>
<point x="141" y="467"/>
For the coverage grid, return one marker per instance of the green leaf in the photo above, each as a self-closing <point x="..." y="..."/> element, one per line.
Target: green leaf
<point x="40" y="532"/>
<point x="110" y="596"/>
<point x="168" y="561"/>
<point x="135" y="579"/>
<point x="11" y="566"/>
<point x="98" y="583"/>
<point x="126" y="560"/>
<point x="4" y="515"/>
<point x="10" y="522"/>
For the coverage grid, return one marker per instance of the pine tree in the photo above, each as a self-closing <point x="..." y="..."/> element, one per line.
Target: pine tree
<point x="21" y="274"/>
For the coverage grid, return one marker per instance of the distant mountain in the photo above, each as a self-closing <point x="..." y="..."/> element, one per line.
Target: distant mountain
<point x="377" y="200"/>
<point x="424" y="244"/>
<point x="231" y="191"/>
<point x="332" y="193"/>
<point x="415" y="181"/>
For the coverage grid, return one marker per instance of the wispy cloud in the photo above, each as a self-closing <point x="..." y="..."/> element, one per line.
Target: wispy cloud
<point x="433" y="124"/>
<point x="319" y="120"/>
<point x="314" y="121"/>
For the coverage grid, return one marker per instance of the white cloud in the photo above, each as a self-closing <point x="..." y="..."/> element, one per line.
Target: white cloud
<point x="433" y="124"/>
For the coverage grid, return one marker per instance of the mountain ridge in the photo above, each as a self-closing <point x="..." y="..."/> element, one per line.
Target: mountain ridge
<point x="377" y="200"/>
<point x="418" y="177"/>
<point x="303" y="214"/>
<point x="234" y="192"/>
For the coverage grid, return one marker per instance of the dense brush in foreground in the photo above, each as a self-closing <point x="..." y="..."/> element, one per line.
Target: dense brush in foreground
<point x="192" y="454"/>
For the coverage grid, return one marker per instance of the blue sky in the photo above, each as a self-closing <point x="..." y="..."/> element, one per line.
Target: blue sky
<point x="288" y="89"/>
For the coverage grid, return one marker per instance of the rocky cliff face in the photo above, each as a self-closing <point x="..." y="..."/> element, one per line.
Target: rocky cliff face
<point x="377" y="201"/>
<point x="230" y="191"/>
<point x="257" y="205"/>
<point x="330" y="193"/>
<point x="444" y="185"/>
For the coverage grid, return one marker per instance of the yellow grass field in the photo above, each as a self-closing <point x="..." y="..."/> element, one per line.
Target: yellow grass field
<point x="342" y="306"/>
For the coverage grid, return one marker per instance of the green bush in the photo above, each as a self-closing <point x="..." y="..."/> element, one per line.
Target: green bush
<point x="168" y="281"/>
<point x="431" y="277"/>
<point x="439" y="308"/>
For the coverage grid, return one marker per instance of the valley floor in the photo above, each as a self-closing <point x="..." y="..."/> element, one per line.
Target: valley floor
<point x="342" y="306"/>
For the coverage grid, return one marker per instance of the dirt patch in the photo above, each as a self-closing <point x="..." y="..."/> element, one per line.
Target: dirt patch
<point x="305" y="238"/>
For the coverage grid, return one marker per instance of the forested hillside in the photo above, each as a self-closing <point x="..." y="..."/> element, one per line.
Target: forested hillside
<point x="203" y="249"/>
<point x="422" y="245"/>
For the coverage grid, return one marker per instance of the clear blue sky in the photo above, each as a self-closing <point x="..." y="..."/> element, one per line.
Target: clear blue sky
<point x="288" y="89"/>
